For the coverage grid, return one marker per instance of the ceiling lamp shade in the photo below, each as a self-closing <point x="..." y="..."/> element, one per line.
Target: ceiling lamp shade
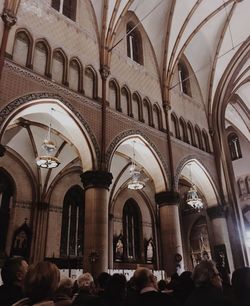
<point x="47" y="160"/>
<point x="135" y="183"/>
<point x="193" y="199"/>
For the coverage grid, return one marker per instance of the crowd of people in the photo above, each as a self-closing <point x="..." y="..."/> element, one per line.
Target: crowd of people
<point x="40" y="285"/>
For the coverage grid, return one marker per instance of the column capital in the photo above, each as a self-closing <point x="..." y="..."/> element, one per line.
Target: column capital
<point x="166" y="198"/>
<point x="215" y="212"/>
<point x="104" y="71"/>
<point x="96" y="179"/>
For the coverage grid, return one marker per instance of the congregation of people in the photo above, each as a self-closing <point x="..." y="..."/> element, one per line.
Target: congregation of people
<point x="40" y="285"/>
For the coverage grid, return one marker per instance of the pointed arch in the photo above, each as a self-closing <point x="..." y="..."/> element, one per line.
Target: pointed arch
<point x="72" y="223"/>
<point x="137" y="106"/>
<point x="22" y="47"/>
<point x="184" y="78"/>
<point x="114" y="95"/>
<point x="157" y="116"/>
<point x="199" y="137"/>
<point x="183" y="125"/>
<point x="134" y="43"/>
<point x="234" y="146"/>
<point x="75" y="74"/>
<point x="191" y="133"/>
<point x="42" y="57"/>
<point x="175" y="125"/>
<point x="132" y="229"/>
<point x="126" y="101"/>
<point x="59" y="66"/>
<point x="91" y="82"/>
<point x="206" y="141"/>
<point x="147" y="112"/>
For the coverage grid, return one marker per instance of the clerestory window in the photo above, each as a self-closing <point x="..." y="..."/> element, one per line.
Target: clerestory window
<point x="134" y="44"/>
<point x="65" y="7"/>
<point x="234" y="146"/>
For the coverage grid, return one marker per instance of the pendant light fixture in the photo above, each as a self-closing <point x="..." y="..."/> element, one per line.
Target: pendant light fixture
<point x="135" y="174"/>
<point x="193" y="199"/>
<point x="47" y="160"/>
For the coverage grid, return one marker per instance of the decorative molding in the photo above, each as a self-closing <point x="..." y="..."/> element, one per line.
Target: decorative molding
<point x="167" y="198"/>
<point x="57" y="209"/>
<point x="217" y="212"/>
<point x="96" y="179"/>
<point x="127" y="133"/>
<point x="7" y="110"/>
<point x="21" y="204"/>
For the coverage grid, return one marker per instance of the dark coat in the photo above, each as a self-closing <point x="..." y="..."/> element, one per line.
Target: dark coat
<point x="9" y="294"/>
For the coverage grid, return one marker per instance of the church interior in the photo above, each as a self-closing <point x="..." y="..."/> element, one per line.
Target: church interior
<point x="125" y="133"/>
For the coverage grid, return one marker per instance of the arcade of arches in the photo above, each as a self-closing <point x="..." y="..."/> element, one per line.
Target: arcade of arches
<point x="171" y="98"/>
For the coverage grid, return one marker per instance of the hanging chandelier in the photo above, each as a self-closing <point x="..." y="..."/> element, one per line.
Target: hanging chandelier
<point x="47" y="160"/>
<point x="135" y="174"/>
<point x="193" y="199"/>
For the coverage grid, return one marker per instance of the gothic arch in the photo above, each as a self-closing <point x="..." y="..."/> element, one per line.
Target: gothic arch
<point x="175" y="121"/>
<point x="91" y="73"/>
<point x="157" y="110"/>
<point x="136" y="97"/>
<point x="10" y="110"/>
<point x="27" y="37"/>
<point x="183" y="124"/>
<point x="114" y="84"/>
<point x="47" y="48"/>
<point x="77" y="63"/>
<point x="61" y="55"/>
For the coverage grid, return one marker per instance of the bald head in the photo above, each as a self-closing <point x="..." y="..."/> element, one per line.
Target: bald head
<point x="143" y="277"/>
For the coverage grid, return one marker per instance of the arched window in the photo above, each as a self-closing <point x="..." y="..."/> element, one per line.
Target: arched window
<point x="75" y="75"/>
<point x="21" y="241"/>
<point x="132" y="230"/>
<point x="234" y="146"/>
<point x="90" y="83"/>
<point x="175" y="126"/>
<point x="184" y="79"/>
<point x="58" y="67"/>
<point x="6" y="198"/>
<point x="242" y="186"/>
<point x="40" y="61"/>
<point x="65" y="7"/>
<point x="72" y="223"/>
<point x="22" y="48"/>
<point x="134" y="44"/>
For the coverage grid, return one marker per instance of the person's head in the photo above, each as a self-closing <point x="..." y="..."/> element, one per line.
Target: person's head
<point x="143" y="277"/>
<point x="14" y="271"/>
<point x="206" y="273"/>
<point x="41" y="281"/>
<point x="103" y="279"/>
<point x="86" y="283"/>
<point x="65" y="286"/>
<point x="116" y="288"/>
<point x="241" y="281"/>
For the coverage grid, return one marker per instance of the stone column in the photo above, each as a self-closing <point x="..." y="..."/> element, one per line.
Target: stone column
<point x="95" y="257"/>
<point x="40" y="228"/>
<point x="217" y="215"/>
<point x="171" y="244"/>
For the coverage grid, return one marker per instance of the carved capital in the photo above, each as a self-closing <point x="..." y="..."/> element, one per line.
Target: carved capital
<point x="96" y="179"/>
<point x="2" y="150"/>
<point x="8" y="18"/>
<point x="217" y="212"/>
<point x="104" y="71"/>
<point x="166" y="198"/>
